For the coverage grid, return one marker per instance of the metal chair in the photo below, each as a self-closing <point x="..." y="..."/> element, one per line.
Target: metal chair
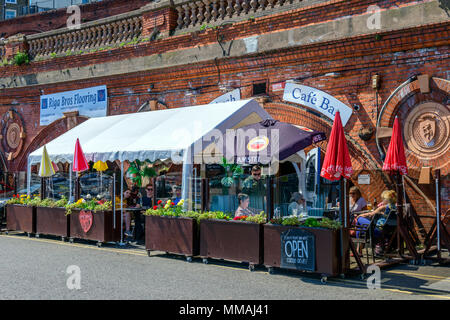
<point x="366" y="237"/>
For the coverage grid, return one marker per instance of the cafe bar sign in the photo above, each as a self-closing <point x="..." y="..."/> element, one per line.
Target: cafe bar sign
<point x="298" y="250"/>
<point x="90" y="102"/>
<point x="316" y="100"/>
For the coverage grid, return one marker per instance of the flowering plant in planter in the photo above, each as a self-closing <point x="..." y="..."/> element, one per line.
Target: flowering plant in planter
<point x="169" y="208"/>
<point x="91" y="205"/>
<point x="309" y="223"/>
<point x="23" y="199"/>
<point x="257" y="218"/>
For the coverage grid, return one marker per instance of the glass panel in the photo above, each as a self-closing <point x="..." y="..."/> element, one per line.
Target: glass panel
<point x="169" y="187"/>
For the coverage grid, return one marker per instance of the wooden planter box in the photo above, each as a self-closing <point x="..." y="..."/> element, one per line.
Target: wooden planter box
<point x="52" y="221"/>
<point x="21" y="218"/>
<point x="102" y="228"/>
<point x="231" y="240"/>
<point x="177" y="235"/>
<point x="327" y="248"/>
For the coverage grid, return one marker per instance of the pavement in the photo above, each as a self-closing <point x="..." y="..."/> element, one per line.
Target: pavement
<point x="39" y="268"/>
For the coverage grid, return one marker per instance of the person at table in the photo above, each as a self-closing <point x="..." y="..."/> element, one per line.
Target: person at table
<point x="129" y="202"/>
<point x="176" y="194"/>
<point x="147" y="199"/>
<point x="297" y="204"/>
<point x="243" y="209"/>
<point x="389" y="199"/>
<point x="254" y="187"/>
<point x="357" y="202"/>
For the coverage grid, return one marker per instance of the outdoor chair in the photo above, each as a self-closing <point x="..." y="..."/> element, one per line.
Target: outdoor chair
<point x="366" y="232"/>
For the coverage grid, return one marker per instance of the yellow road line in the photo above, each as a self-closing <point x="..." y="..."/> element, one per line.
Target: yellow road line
<point x="391" y="287"/>
<point x="127" y="251"/>
<point x="419" y="274"/>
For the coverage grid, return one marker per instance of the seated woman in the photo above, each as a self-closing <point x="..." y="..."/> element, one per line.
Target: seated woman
<point x="297" y="204"/>
<point x="389" y="198"/>
<point x="357" y="202"/>
<point x="129" y="202"/>
<point x="243" y="209"/>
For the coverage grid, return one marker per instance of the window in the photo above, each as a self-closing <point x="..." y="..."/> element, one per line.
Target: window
<point x="11" y="1"/>
<point x="259" y="88"/>
<point x="9" y="14"/>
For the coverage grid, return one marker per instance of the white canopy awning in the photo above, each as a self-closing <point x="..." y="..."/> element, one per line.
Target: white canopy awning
<point x="150" y="135"/>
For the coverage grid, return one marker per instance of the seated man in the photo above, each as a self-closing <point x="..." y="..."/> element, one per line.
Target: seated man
<point x="176" y="194"/>
<point x="147" y="200"/>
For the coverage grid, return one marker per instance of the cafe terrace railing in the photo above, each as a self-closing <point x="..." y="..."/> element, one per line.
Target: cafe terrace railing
<point x="168" y="16"/>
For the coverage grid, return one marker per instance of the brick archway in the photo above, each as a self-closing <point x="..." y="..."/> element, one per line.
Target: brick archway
<point x="47" y="134"/>
<point x="403" y="104"/>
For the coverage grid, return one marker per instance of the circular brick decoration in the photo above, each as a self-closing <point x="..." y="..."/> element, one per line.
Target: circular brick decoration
<point x="13" y="135"/>
<point x="427" y="129"/>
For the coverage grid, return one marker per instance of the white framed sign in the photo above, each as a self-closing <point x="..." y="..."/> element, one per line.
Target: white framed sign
<point x="234" y="95"/>
<point x="364" y="179"/>
<point x="317" y="100"/>
<point x="90" y="102"/>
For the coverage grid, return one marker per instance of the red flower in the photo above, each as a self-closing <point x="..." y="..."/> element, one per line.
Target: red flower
<point x="159" y="202"/>
<point x="172" y="204"/>
<point x="155" y="207"/>
<point x="240" y="218"/>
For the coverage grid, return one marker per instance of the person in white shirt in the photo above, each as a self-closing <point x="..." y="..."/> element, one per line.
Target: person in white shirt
<point x="297" y="204"/>
<point x="357" y="202"/>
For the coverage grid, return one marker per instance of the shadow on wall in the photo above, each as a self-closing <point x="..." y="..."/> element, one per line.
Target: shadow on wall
<point x="445" y="4"/>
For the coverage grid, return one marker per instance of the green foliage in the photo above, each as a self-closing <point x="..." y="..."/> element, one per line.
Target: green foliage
<point x="308" y="223"/>
<point x="53" y="55"/>
<point x="21" y="58"/>
<point x="232" y="171"/>
<point x="257" y="218"/>
<point x="213" y="215"/>
<point x="140" y="170"/>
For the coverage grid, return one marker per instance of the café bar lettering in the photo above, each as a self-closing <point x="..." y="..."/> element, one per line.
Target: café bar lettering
<point x="298" y="250"/>
<point x="317" y="100"/>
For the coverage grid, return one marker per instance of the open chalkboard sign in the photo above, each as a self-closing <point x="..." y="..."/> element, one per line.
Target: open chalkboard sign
<point x="298" y="250"/>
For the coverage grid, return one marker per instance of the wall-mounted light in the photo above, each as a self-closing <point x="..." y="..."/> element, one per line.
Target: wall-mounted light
<point x="375" y="81"/>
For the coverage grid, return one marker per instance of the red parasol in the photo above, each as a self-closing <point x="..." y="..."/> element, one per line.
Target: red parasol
<point x="395" y="158"/>
<point x="337" y="161"/>
<point x="79" y="160"/>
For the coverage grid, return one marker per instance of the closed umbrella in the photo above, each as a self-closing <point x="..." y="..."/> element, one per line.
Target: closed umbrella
<point x="79" y="160"/>
<point x="395" y="166"/>
<point x="79" y="164"/>
<point x="45" y="171"/>
<point x="337" y="161"/>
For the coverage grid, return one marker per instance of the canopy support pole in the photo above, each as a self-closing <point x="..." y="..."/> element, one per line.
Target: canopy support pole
<point x="121" y="204"/>
<point x="187" y="173"/>
<point x="70" y="183"/>
<point x="28" y="178"/>
<point x="113" y="198"/>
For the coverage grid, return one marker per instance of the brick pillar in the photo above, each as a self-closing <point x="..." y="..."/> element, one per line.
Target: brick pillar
<point x="15" y="44"/>
<point x="161" y="15"/>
